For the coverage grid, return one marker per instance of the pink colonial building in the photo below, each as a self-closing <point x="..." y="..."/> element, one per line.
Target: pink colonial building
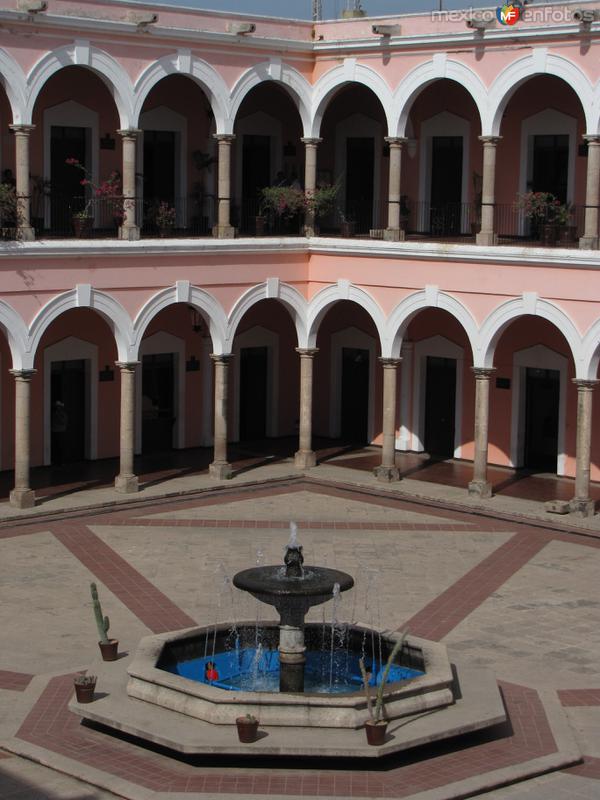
<point x="427" y="312"/>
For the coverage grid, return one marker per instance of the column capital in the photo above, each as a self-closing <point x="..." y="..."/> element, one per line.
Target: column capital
<point x="483" y="373"/>
<point x="395" y="141"/>
<point x="311" y="141"/>
<point x="127" y="366"/>
<point x="584" y="384"/>
<point x="129" y="133"/>
<point x="492" y="140"/>
<point x="23" y="130"/>
<point x="22" y="374"/>
<point x="389" y="363"/>
<point x="221" y="358"/>
<point x="591" y="138"/>
<point x="307" y="352"/>
<point x="228" y="138"/>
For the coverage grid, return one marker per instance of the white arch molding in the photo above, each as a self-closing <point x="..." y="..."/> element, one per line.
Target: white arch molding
<point x="82" y="54"/>
<point x="296" y="85"/>
<point x="258" y="336"/>
<point x="287" y="295"/>
<point x="353" y="338"/>
<point x="157" y="344"/>
<point x="437" y="346"/>
<point x="540" y="357"/>
<point x="343" y="290"/>
<point x="14" y="82"/>
<point x="73" y="349"/>
<point x="15" y="330"/>
<point x="201" y="72"/>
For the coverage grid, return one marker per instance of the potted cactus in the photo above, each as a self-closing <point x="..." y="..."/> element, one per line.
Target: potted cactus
<point x="84" y="688"/>
<point x="376" y="725"/>
<point x="108" y="647"/>
<point x="247" y="727"/>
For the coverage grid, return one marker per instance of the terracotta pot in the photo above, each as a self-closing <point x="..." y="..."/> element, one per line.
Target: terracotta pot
<point x="347" y="229"/>
<point x="376" y="732"/>
<point x="81" y="226"/>
<point x="547" y="233"/>
<point x="109" y="649"/>
<point x="84" y="693"/>
<point x="260" y="224"/>
<point x="246" y="729"/>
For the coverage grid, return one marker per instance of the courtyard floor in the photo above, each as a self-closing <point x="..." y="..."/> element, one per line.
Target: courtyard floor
<point x="502" y="583"/>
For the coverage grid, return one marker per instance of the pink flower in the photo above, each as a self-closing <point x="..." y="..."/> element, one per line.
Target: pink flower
<point x="72" y="161"/>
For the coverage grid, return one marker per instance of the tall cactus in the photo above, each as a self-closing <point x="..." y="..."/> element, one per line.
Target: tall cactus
<point x="103" y="623"/>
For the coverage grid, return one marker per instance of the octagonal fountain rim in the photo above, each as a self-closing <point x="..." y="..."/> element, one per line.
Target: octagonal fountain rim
<point x="438" y="675"/>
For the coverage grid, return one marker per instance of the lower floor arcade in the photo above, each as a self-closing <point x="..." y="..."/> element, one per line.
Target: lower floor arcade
<point x="179" y="402"/>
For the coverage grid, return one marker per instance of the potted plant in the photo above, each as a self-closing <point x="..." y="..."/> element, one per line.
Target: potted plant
<point x="165" y="218"/>
<point x="562" y="217"/>
<point x="376" y="725"/>
<point x="539" y="207"/>
<point x="321" y="201"/>
<point x="84" y="688"/>
<point x="108" y="647"/>
<point x="348" y="225"/>
<point x="247" y="727"/>
<point x="9" y="211"/>
<point x="110" y="190"/>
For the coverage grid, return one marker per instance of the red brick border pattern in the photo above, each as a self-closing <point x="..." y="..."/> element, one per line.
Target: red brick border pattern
<point x="14" y="681"/>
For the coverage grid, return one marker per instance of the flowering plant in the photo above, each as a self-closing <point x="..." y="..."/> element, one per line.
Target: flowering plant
<point x="285" y="201"/>
<point x="165" y="215"/>
<point x="562" y="213"/>
<point x="322" y="200"/>
<point x="110" y="189"/>
<point x="540" y="206"/>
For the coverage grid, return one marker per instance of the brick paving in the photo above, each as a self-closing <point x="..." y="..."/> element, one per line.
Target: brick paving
<point x="579" y="697"/>
<point x="14" y="681"/>
<point x="589" y="769"/>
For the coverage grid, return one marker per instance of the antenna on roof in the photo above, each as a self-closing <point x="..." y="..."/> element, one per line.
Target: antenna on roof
<point x="317" y="10"/>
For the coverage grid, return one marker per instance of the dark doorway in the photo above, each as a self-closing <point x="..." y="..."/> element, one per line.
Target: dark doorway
<point x="360" y="169"/>
<point x="256" y="174"/>
<point x="542" y="392"/>
<point x="355" y="395"/>
<point x="159" y="167"/>
<point x="446" y="185"/>
<point x="440" y="406"/>
<point x="158" y="402"/>
<point x="253" y="393"/>
<point x="67" y="411"/>
<point x="551" y="165"/>
<point x="67" y="195"/>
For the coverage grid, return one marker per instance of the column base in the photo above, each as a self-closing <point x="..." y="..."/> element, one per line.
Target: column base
<point x="127" y="484"/>
<point x="221" y="470"/>
<point x="22" y="498"/>
<point x="588" y="243"/>
<point x="26" y="233"/>
<point x="582" y="508"/>
<point x="304" y="459"/>
<point x="486" y="238"/>
<point x="393" y="235"/>
<point x="131" y="233"/>
<point x="481" y="489"/>
<point x="386" y="474"/>
<point x="223" y="232"/>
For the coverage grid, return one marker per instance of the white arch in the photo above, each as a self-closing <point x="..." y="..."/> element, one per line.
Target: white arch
<point x="208" y="306"/>
<point x="15" y="330"/>
<point x="296" y="85"/>
<point x="81" y="297"/>
<point x="540" y="62"/>
<point x="289" y="296"/>
<point x="429" y="297"/>
<point x="82" y="54"/>
<point x="438" y="68"/>
<point x="13" y="79"/>
<point x="348" y="72"/>
<point x="591" y="352"/>
<point x="202" y="73"/>
<point x="343" y="290"/>
<point x="529" y="304"/>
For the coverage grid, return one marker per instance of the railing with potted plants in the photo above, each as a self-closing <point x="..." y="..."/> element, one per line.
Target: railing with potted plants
<point x="178" y="217"/>
<point x="109" y="190"/>
<point x="546" y="219"/>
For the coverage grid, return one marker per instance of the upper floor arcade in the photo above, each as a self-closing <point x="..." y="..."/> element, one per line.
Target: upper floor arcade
<point x="433" y="132"/>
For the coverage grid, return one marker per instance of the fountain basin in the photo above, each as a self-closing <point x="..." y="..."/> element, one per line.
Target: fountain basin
<point x="150" y="680"/>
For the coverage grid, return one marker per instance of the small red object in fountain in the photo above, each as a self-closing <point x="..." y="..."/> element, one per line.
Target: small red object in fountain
<point x="210" y="672"/>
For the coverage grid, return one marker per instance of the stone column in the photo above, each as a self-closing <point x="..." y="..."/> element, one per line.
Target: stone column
<point x="22" y="496"/>
<point x="223" y="229"/>
<point x="582" y="505"/>
<point x="24" y="227"/>
<point x="387" y="471"/>
<point x="126" y="481"/>
<point x="310" y="179"/>
<point x="393" y="233"/>
<point x="589" y="240"/>
<point x="305" y="456"/>
<point x="220" y="467"/>
<point x="487" y="235"/>
<point x="479" y="486"/>
<point x="129" y="228"/>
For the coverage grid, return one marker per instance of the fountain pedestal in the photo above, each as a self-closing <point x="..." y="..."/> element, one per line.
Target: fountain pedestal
<point x="292" y="658"/>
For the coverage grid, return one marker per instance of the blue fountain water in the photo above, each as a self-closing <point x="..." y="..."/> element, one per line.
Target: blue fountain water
<point x="247" y="669"/>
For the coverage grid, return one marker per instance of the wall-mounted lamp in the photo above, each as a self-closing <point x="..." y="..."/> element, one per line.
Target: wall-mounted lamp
<point x="241" y="28"/>
<point x="198" y="323"/>
<point x="480" y="25"/>
<point x="32" y="6"/>
<point x="386" y="30"/>
<point x="142" y="18"/>
<point x="586" y="16"/>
